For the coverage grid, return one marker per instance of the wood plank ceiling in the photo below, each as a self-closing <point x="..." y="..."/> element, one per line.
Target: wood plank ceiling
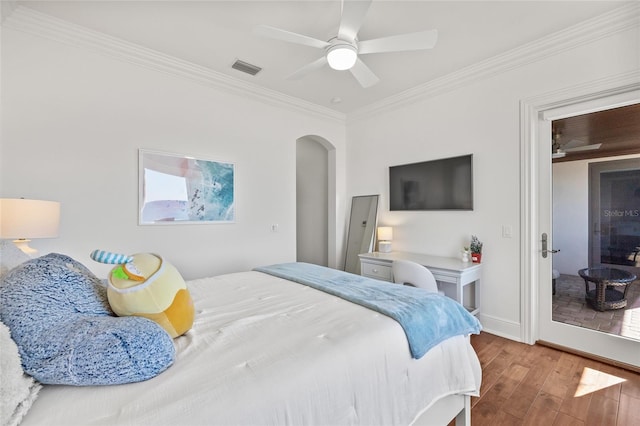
<point x="617" y="129"/>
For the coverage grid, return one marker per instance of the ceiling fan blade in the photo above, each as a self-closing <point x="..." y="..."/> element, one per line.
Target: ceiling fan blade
<point x="288" y="36"/>
<point x="363" y="74"/>
<point x="353" y="14"/>
<point x="313" y="66"/>
<point x="573" y="143"/>
<point x="399" y="43"/>
<point x="582" y="148"/>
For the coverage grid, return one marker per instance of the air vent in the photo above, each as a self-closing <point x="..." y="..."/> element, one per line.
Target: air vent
<point x="246" y="67"/>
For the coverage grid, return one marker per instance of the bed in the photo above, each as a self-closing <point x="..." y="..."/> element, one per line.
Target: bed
<point x="268" y="350"/>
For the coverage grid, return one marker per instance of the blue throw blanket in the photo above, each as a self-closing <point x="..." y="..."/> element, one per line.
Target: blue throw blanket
<point x="427" y="318"/>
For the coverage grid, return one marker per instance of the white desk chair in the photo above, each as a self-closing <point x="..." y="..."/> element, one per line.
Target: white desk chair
<point x="414" y="274"/>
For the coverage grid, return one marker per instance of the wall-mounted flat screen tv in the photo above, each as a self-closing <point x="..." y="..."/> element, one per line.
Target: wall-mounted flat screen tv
<point x="443" y="184"/>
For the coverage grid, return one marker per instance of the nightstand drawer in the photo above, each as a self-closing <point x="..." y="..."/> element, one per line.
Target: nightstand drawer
<point x="376" y="271"/>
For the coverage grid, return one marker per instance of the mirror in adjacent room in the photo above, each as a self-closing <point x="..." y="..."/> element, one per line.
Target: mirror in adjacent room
<point x="362" y="226"/>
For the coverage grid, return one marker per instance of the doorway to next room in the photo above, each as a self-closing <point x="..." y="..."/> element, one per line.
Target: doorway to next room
<point x="596" y="220"/>
<point x="312" y="200"/>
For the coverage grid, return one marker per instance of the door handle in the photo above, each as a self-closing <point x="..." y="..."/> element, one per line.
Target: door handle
<point x="545" y="251"/>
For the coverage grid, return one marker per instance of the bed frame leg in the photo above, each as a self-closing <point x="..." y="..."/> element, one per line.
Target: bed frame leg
<point x="464" y="417"/>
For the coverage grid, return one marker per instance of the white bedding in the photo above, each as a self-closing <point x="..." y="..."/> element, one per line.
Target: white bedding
<point x="264" y="350"/>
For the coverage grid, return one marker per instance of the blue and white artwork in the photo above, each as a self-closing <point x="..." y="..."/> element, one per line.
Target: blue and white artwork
<point x="180" y="189"/>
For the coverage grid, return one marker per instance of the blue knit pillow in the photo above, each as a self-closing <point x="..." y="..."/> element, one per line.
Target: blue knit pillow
<point x="59" y="317"/>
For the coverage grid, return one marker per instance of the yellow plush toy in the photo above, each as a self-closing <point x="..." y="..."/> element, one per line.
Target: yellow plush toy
<point x="147" y="286"/>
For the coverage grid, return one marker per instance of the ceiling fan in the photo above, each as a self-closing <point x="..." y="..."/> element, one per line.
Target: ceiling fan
<point x="342" y="51"/>
<point x="560" y="150"/>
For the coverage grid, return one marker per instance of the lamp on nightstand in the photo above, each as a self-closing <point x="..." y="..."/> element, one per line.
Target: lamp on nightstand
<point x="22" y="219"/>
<point x="385" y="235"/>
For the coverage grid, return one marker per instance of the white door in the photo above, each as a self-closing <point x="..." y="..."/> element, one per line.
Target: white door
<point x="618" y="348"/>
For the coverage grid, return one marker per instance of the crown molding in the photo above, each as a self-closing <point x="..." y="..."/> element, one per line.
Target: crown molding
<point x="40" y="24"/>
<point x="605" y="25"/>
<point x="27" y="20"/>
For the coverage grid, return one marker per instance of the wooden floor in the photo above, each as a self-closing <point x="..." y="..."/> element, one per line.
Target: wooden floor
<point x="537" y="385"/>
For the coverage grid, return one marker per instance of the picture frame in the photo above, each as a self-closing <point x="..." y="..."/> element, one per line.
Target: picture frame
<point x="180" y="189"/>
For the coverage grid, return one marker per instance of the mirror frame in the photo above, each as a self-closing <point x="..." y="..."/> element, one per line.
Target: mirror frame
<point x="367" y="239"/>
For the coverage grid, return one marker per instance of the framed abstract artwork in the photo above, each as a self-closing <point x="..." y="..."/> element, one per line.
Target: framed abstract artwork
<point x="178" y="189"/>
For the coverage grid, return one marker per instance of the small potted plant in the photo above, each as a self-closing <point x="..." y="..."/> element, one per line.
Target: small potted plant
<point x="476" y="249"/>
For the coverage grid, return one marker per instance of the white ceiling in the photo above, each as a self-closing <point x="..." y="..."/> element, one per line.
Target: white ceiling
<point x="214" y="34"/>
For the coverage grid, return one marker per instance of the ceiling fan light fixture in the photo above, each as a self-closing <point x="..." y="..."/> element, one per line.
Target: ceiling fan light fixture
<point x="342" y="56"/>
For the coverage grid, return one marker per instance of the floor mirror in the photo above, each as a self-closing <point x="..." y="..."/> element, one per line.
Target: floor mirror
<point x="362" y="229"/>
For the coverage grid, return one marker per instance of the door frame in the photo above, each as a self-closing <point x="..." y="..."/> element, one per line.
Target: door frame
<point x="589" y="96"/>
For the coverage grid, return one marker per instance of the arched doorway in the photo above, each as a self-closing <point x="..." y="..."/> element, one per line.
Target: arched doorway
<point x="315" y="201"/>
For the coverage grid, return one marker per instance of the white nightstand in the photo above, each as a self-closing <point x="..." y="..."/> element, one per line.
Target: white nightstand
<point x="459" y="280"/>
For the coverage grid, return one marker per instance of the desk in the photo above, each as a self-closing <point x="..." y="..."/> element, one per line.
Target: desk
<point x="452" y="274"/>
<point x="606" y="296"/>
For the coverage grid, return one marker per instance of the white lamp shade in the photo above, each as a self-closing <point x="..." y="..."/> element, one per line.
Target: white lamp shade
<point x="385" y="233"/>
<point x="20" y="218"/>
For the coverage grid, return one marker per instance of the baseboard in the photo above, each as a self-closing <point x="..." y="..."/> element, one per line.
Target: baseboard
<point x="500" y="327"/>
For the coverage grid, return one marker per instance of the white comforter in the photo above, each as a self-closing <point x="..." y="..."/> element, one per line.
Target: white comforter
<point x="266" y="351"/>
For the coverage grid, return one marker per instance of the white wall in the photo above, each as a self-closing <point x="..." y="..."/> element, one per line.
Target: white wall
<point x="571" y="213"/>
<point x="570" y="216"/>
<point x="73" y="121"/>
<point x="483" y="118"/>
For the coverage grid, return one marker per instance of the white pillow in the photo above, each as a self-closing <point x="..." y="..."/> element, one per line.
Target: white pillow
<point x="10" y="256"/>
<point x="17" y="389"/>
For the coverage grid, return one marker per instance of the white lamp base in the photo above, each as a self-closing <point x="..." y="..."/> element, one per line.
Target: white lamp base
<point x="23" y="244"/>
<point x="384" y="246"/>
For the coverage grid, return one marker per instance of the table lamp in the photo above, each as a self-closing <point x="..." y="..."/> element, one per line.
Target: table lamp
<point x="385" y="235"/>
<point x="22" y="219"/>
